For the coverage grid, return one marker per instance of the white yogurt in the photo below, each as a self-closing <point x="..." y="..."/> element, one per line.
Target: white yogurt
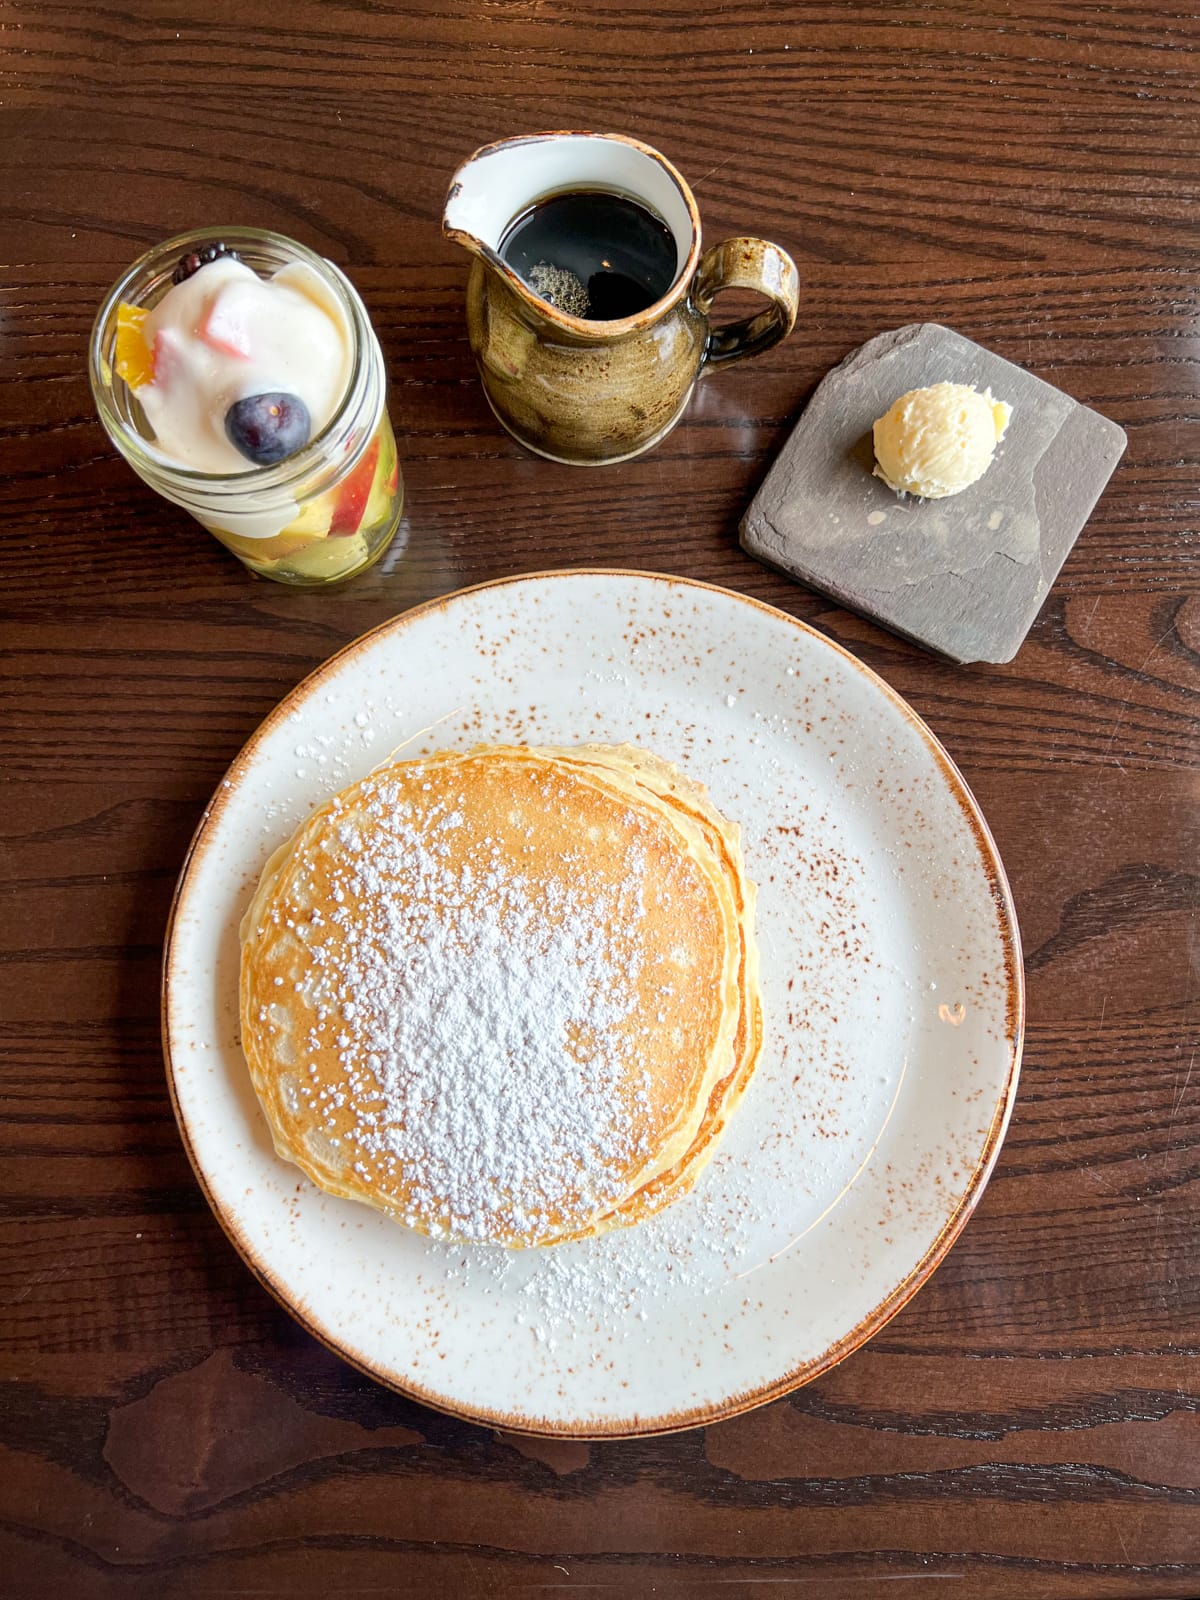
<point x="224" y="334"/>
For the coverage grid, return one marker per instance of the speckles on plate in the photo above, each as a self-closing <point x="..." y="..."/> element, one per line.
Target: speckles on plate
<point x="868" y="1130"/>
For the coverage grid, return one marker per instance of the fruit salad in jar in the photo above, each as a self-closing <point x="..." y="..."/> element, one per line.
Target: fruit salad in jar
<point x="241" y="378"/>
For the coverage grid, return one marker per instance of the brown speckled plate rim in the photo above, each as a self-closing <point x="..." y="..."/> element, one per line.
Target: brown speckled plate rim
<point x="734" y="1405"/>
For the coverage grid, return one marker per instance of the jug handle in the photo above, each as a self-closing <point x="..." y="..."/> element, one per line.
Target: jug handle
<point x="746" y="263"/>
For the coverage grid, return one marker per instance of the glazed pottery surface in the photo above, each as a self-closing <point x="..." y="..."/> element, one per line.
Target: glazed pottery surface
<point x="588" y="392"/>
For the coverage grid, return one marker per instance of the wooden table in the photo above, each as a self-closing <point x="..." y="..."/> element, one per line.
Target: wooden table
<point x="1026" y="173"/>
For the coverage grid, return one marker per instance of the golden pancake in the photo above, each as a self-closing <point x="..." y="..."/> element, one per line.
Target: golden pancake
<point x="508" y="995"/>
<point x="659" y="777"/>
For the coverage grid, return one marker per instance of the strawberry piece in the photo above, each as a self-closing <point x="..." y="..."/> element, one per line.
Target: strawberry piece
<point x="227" y="324"/>
<point x="353" y="495"/>
<point x="164" y="357"/>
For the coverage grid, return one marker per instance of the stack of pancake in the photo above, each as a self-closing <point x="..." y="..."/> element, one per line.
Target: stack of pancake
<point x="508" y="995"/>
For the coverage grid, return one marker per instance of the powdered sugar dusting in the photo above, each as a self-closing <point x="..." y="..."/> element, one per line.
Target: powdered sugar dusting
<point x="478" y="1021"/>
<point x="611" y="1284"/>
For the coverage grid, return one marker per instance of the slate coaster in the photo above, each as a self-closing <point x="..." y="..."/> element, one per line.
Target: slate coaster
<point x="967" y="575"/>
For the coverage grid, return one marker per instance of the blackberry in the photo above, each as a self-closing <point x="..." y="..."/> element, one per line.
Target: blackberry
<point x="195" y="259"/>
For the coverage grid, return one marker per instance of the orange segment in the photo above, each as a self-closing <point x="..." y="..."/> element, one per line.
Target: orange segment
<point x="135" y="359"/>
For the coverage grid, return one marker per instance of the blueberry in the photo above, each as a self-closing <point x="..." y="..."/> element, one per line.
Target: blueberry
<point x="195" y="259"/>
<point x="268" y="427"/>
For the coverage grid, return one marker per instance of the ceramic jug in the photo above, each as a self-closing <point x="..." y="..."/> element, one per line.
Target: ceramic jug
<point x="589" y="392"/>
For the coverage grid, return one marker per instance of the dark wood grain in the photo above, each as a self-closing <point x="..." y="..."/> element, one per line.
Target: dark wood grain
<point x="1026" y="173"/>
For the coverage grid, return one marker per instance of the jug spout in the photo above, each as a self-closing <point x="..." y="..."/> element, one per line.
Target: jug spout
<point x="492" y="187"/>
<point x="500" y="182"/>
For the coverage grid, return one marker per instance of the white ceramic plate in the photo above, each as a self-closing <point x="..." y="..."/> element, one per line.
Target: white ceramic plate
<point x="892" y="989"/>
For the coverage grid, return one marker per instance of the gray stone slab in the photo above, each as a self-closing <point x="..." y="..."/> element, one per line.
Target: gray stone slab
<point x="964" y="576"/>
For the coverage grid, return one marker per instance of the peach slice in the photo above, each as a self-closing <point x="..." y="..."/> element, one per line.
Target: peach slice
<point x="310" y="527"/>
<point x="354" y="493"/>
<point x="134" y="357"/>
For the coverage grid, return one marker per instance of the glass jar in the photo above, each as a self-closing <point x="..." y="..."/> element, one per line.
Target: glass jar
<point x="323" y="513"/>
